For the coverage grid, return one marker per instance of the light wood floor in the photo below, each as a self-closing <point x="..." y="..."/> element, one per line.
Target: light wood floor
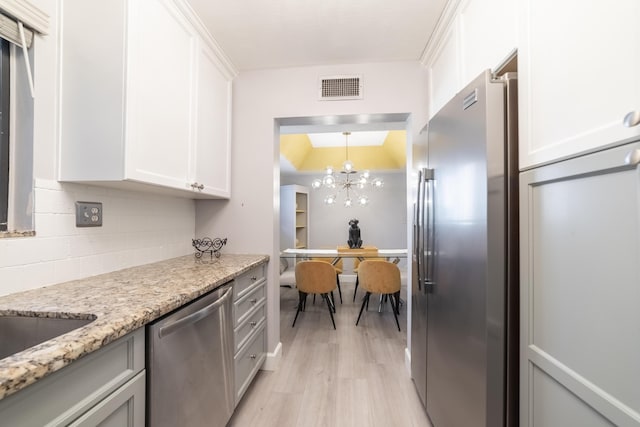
<point x="353" y="376"/>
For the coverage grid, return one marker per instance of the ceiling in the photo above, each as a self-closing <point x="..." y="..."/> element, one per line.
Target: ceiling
<point x="258" y="34"/>
<point x="369" y="150"/>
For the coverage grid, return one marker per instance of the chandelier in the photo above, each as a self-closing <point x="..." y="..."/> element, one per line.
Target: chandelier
<point x="347" y="182"/>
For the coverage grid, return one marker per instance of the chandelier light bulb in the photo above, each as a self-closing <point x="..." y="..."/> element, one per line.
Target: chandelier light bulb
<point x="316" y="183"/>
<point x="377" y="183"/>
<point x="329" y="181"/>
<point x="329" y="170"/>
<point x="347" y="202"/>
<point x="366" y="174"/>
<point x="363" y="200"/>
<point x="362" y="182"/>
<point x="330" y="200"/>
<point x="347" y="166"/>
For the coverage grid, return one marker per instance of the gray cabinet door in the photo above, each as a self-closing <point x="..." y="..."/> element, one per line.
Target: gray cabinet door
<point x="580" y="291"/>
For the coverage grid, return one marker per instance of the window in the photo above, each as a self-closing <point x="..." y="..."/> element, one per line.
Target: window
<point x="4" y="134"/>
<point x="20" y="22"/>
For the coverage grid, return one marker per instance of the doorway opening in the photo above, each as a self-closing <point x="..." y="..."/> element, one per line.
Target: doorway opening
<point x="384" y="223"/>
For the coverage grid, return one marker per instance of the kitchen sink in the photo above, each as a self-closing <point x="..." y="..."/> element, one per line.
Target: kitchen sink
<point x="18" y="333"/>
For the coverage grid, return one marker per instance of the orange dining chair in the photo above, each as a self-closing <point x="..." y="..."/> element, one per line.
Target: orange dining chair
<point x="380" y="278"/>
<point x="315" y="277"/>
<point x="338" y="267"/>
<point x="356" y="263"/>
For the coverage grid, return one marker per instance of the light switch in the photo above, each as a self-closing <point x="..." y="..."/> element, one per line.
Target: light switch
<point x="88" y="214"/>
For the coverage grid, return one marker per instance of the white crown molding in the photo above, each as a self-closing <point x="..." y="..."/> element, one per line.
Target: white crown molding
<point x="226" y="66"/>
<point x="28" y="14"/>
<point x="438" y="36"/>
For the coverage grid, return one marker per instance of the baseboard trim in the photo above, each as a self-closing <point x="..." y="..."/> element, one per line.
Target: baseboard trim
<point x="272" y="362"/>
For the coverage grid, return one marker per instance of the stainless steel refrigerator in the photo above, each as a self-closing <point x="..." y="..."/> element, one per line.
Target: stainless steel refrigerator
<point x="464" y="333"/>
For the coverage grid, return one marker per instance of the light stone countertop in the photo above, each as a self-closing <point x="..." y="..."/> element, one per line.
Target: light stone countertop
<point x="121" y="302"/>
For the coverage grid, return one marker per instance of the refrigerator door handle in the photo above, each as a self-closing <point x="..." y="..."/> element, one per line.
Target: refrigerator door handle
<point x="416" y="257"/>
<point x="418" y="227"/>
<point x="429" y="208"/>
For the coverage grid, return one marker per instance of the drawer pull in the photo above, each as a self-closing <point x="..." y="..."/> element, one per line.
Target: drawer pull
<point x="633" y="158"/>
<point x="631" y="119"/>
<point x="254" y="278"/>
<point x="253" y="301"/>
<point x="253" y="356"/>
<point x="253" y="324"/>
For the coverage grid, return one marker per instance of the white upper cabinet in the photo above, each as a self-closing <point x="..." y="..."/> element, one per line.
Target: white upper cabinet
<point x="472" y="36"/>
<point x="444" y="70"/>
<point x="159" y="113"/>
<point x="145" y="99"/>
<point x="579" y="75"/>
<point x="213" y="136"/>
<point x="488" y="34"/>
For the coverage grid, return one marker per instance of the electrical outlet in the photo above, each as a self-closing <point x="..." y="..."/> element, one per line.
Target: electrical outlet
<point x="88" y="214"/>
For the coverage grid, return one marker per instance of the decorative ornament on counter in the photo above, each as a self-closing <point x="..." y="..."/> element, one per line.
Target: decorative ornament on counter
<point x="206" y="245"/>
<point x="354" y="234"/>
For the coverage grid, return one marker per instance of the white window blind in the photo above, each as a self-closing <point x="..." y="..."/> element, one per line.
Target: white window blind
<point x="19" y="19"/>
<point x="14" y="12"/>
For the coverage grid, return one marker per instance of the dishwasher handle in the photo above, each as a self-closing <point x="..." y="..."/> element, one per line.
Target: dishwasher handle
<point x="194" y="317"/>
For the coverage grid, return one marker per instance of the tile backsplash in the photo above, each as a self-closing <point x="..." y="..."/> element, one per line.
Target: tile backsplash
<point x="138" y="228"/>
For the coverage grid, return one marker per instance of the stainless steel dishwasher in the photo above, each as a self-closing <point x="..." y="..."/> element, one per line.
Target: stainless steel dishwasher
<point x="190" y="364"/>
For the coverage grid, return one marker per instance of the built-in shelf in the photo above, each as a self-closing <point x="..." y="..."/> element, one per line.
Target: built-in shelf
<point x="294" y="216"/>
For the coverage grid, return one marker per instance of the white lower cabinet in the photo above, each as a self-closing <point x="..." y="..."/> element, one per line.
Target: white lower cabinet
<point x="248" y="361"/>
<point x="250" y="339"/>
<point x="579" y="290"/>
<point x="106" y="388"/>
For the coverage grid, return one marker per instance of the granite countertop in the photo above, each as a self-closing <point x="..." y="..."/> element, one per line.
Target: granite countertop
<point x="120" y="302"/>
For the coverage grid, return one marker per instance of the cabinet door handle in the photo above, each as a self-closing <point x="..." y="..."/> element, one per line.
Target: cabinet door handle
<point x="631" y="119"/>
<point x="201" y="187"/>
<point x="254" y="278"/>
<point x="197" y="186"/>
<point x="253" y="301"/>
<point x="253" y="356"/>
<point x="253" y="324"/>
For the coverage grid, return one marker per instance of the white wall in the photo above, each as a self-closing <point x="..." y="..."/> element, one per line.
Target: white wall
<point x="250" y="220"/>
<point x="138" y="228"/>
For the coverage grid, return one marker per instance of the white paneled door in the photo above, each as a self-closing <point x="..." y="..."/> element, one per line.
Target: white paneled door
<point x="580" y="290"/>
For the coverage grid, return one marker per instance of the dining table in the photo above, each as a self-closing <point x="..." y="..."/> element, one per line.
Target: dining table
<point x="393" y="255"/>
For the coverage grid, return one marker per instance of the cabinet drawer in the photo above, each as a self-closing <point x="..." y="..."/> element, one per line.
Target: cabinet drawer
<point x="246" y="279"/>
<point x="69" y="392"/>
<point x="243" y="307"/>
<point x="123" y="408"/>
<point x="252" y="322"/>
<point x="248" y="361"/>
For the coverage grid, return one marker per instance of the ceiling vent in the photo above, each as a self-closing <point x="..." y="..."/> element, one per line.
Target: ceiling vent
<point x="340" y="87"/>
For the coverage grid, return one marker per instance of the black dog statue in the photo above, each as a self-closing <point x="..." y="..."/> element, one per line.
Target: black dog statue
<point x="354" y="235"/>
